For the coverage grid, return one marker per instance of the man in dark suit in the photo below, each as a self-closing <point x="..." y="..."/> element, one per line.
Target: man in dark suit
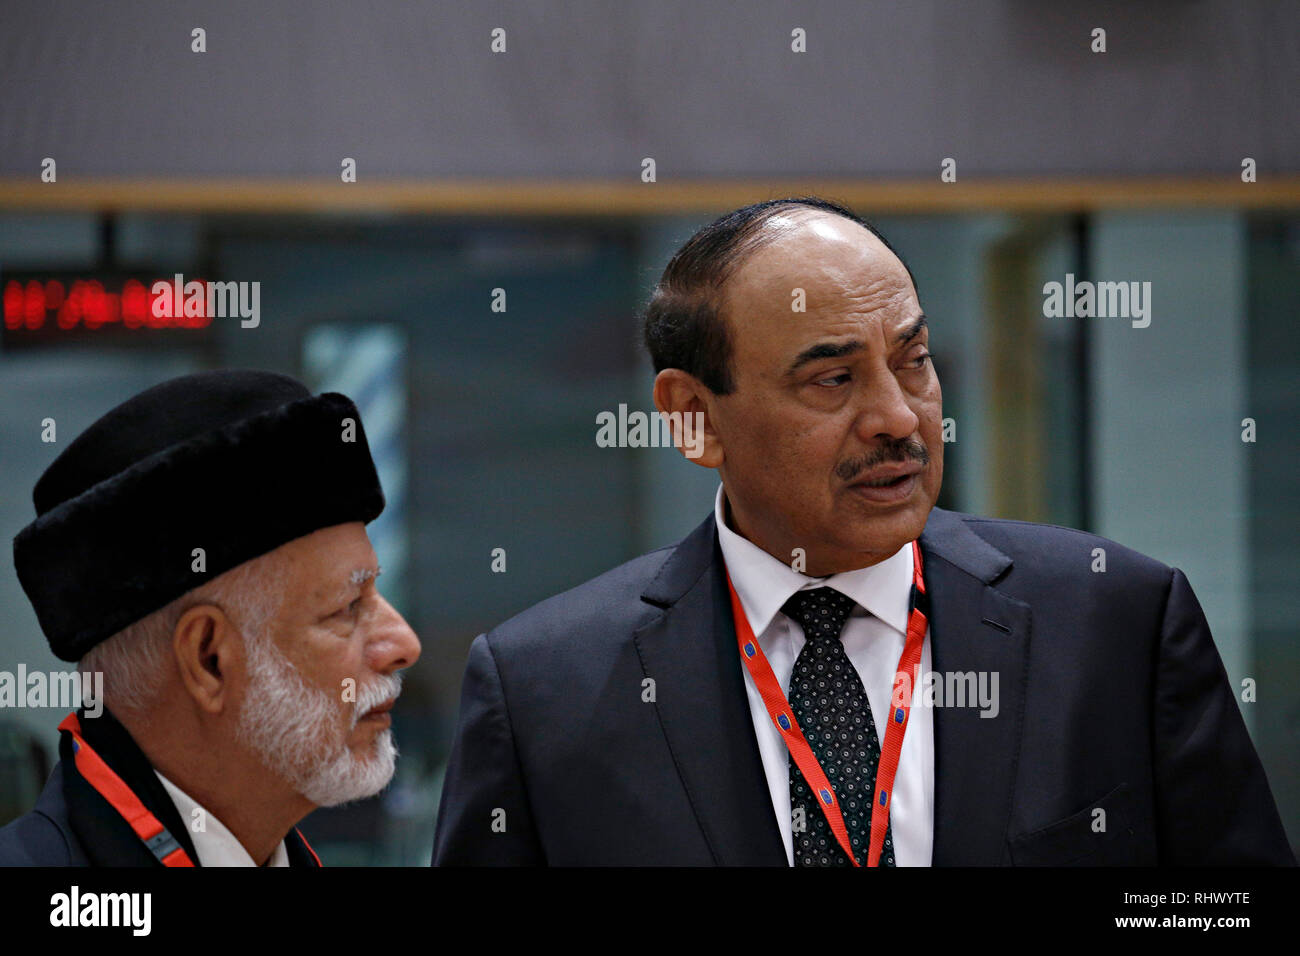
<point x="737" y="698"/>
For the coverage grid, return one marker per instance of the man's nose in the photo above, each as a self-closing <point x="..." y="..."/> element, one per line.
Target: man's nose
<point x="391" y="645"/>
<point x="885" y="411"/>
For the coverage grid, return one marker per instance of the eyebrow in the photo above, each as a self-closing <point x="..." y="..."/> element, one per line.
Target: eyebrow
<point x="826" y="350"/>
<point x="912" y="331"/>
<point x="356" y="579"/>
<point x="362" y="575"/>
<point x="823" y="350"/>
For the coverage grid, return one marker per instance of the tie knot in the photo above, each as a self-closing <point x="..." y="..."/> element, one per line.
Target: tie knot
<point x="821" y="612"/>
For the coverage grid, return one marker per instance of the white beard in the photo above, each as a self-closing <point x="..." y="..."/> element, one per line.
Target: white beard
<point x="292" y="725"/>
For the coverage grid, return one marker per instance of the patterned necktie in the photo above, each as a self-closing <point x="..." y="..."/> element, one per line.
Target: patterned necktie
<point x="831" y="706"/>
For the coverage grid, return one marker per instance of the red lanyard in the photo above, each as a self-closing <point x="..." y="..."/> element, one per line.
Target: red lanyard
<point x="900" y="708"/>
<point x="113" y="788"/>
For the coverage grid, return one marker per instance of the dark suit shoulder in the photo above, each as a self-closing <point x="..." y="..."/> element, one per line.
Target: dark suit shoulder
<point x="608" y="605"/>
<point x="1056" y="569"/>
<point x="1058" y="548"/>
<point x="34" y="840"/>
<point x="41" y="837"/>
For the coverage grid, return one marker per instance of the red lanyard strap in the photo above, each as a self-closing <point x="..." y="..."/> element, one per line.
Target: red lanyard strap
<point x="900" y="707"/>
<point x="308" y="846"/>
<point x="778" y="709"/>
<point x="113" y="788"/>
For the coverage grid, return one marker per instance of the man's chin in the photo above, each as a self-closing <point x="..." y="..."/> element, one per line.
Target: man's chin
<point x="355" y="774"/>
<point x="883" y="527"/>
<point x="860" y="542"/>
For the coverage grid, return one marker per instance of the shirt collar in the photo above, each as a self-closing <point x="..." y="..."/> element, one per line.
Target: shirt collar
<point x="764" y="584"/>
<point x="215" y="844"/>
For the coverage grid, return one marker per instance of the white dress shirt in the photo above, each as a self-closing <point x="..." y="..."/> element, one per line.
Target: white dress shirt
<point x="873" y="641"/>
<point x="215" y="845"/>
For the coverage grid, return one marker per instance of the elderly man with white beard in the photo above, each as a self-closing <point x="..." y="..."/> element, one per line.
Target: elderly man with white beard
<point x="203" y="546"/>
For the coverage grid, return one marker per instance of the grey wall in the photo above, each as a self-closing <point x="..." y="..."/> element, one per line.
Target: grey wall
<point x="1168" y="401"/>
<point x="1273" y="356"/>
<point x="589" y="88"/>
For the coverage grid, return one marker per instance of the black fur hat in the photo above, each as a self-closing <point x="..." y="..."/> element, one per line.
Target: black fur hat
<point x="234" y="462"/>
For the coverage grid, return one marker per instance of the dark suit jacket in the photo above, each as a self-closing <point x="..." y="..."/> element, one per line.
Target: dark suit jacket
<point x="1112" y="696"/>
<point x="73" y="825"/>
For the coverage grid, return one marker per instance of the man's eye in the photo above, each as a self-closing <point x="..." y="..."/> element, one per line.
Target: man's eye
<point x="920" y="360"/>
<point x="349" y="610"/>
<point x="833" y="381"/>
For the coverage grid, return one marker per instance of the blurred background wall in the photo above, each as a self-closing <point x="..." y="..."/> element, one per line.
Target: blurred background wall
<point x="524" y="171"/>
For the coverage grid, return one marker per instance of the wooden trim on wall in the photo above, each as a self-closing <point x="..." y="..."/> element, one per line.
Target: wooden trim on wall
<point x="600" y="198"/>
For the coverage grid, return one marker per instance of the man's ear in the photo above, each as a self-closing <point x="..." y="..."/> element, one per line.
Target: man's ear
<point x="208" y="647"/>
<point x="688" y="403"/>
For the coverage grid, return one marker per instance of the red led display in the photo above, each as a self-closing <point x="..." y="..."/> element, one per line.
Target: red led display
<point x="87" y="304"/>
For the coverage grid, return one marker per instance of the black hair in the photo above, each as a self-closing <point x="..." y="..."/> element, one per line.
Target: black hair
<point x="682" y="326"/>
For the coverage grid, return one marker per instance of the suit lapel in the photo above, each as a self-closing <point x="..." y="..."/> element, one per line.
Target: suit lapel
<point x="690" y="652"/>
<point x="973" y="627"/>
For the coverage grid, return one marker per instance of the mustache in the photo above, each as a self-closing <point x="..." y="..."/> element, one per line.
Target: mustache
<point x="895" y="450"/>
<point x="382" y="688"/>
